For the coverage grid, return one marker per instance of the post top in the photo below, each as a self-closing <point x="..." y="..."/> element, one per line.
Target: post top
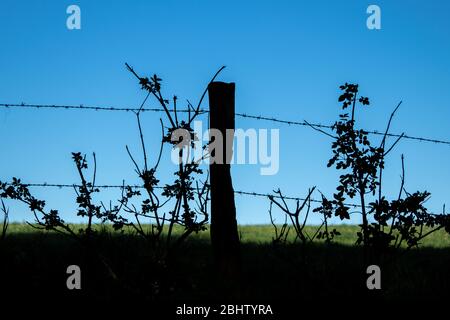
<point x="221" y="84"/>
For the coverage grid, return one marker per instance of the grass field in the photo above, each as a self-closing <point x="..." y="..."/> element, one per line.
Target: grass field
<point x="34" y="265"/>
<point x="263" y="234"/>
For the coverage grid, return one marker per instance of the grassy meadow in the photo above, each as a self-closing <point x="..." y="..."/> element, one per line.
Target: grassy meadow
<point x="34" y="265"/>
<point x="262" y="234"/>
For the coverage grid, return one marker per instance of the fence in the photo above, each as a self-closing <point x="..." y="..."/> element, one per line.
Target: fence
<point x="203" y="111"/>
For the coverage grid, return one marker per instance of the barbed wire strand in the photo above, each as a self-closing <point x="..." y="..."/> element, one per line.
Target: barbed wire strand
<point x="318" y="125"/>
<point x="239" y="192"/>
<point x="241" y="115"/>
<point x="83" y="107"/>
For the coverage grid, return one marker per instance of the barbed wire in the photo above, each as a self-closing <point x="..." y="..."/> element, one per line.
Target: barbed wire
<point x="318" y="125"/>
<point x="203" y="111"/>
<point x="266" y="195"/>
<point x="241" y="115"/>
<point x="94" y="108"/>
<point x="58" y="185"/>
<point x="239" y="192"/>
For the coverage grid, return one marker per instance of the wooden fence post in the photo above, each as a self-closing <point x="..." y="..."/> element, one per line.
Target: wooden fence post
<point x="224" y="232"/>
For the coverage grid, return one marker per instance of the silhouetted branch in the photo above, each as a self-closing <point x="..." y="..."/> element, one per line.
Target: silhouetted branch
<point x="383" y="142"/>
<point x="5" y="219"/>
<point x="134" y="162"/>
<point x="319" y="130"/>
<point x="197" y="110"/>
<point x="393" y="145"/>
<point x="294" y="215"/>
<point x="281" y="236"/>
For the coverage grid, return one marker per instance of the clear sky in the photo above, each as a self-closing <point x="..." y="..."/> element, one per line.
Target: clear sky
<point x="287" y="59"/>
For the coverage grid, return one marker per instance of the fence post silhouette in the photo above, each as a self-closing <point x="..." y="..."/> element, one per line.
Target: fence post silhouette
<point x="224" y="233"/>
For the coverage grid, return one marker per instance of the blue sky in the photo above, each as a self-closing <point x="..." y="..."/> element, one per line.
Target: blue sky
<point x="287" y="59"/>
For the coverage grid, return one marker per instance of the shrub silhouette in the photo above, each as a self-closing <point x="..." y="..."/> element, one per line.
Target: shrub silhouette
<point x="50" y="219"/>
<point x="182" y="203"/>
<point x="395" y="222"/>
<point x="403" y="221"/>
<point x="294" y="217"/>
<point x="188" y="194"/>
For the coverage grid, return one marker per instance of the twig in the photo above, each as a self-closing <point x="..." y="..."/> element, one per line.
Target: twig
<point x="5" y="219"/>
<point x="320" y="130"/>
